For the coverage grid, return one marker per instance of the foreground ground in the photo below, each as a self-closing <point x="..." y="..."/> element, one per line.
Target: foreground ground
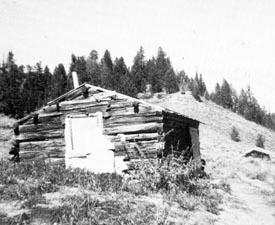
<point x="239" y="190"/>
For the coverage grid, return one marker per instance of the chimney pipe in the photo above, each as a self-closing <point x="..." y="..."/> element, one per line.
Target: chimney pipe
<point x="75" y="79"/>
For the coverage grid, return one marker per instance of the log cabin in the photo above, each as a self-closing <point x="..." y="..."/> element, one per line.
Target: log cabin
<point x="148" y="131"/>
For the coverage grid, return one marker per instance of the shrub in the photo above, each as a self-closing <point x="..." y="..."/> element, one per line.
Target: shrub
<point x="235" y="134"/>
<point x="260" y="141"/>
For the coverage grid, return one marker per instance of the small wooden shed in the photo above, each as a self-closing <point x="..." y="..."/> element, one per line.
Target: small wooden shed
<point x="148" y="131"/>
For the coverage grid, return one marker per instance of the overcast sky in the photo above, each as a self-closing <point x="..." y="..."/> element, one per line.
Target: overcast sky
<point x="232" y="39"/>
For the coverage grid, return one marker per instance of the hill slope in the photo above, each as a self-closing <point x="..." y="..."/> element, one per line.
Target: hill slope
<point x="252" y="180"/>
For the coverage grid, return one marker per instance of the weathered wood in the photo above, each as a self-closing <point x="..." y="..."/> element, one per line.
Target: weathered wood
<point x="78" y="104"/>
<point x="130" y="110"/>
<point x="136" y="128"/>
<point x="194" y="134"/>
<point x="43" y="154"/>
<point x="24" y="119"/>
<point x="134" y="137"/>
<point x="40" y="127"/>
<point x="46" y="117"/>
<point x="66" y="107"/>
<point x="130" y="119"/>
<point x="136" y="146"/>
<point x="40" y="135"/>
<point x="53" y="144"/>
<point x="86" y="110"/>
<point x="68" y="95"/>
<point x="168" y="116"/>
<point x="35" y="118"/>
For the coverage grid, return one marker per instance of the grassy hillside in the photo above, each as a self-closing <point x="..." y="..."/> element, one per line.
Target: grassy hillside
<point x="252" y="181"/>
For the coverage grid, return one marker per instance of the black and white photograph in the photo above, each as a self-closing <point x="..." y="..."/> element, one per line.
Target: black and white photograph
<point x="137" y="112"/>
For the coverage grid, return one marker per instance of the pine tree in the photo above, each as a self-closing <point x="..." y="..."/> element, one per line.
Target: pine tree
<point x="13" y="79"/>
<point x="151" y="71"/>
<point x="121" y="74"/>
<point x="202" y="86"/>
<point x="162" y="66"/>
<point x="183" y="81"/>
<point x="107" y="80"/>
<point x="138" y="71"/>
<point x="226" y="95"/>
<point x="48" y="79"/>
<point x="216" y="96"/>
<point x="170" y="81"/>
<point x="59" y="81"/>
<point x="93" y="69"/>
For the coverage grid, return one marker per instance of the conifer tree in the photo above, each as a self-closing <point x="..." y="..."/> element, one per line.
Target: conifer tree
<point x="162" y="66"/>
<point x="107" y="80"/>
<point x="93" y="69"/>
<point x="59" y="81"/>
<point x="216" y="97"/>
<point x="170" y="81"/>
<point x="226" y="95"/>
<point x="138" y="71"/>
<point x="123" y="83"/>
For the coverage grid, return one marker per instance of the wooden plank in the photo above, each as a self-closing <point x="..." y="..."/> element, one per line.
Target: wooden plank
<point x="130" y="119"/>
<point x="65" y="107"/>
<point x="68" y="95"/>
<point x="130" y="110"/>
<point x="40" y="135"/>
<point x="41" y="127"/>
<point x="180" y="118"/>
<point x="23" y="120"/>
<point x="42" y="145"/>
<point x="136" y="128"/>
<point x="43" y="154"/>
<point x="134" y="137"/>
<point x="194" y="134"/>
<point x="47" y="117"/>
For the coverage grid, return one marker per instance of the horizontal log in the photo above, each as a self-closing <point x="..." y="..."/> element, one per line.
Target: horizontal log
<point x="136" y="128"/>
<point x="42" y="154"/>
<point x="82" y="106"/>
<point x="134" y="137"/>
<point x="129" y="119"/>
<point x="40" y="135"/>
<point x="85" y="110"/>
<point x="53" y="144"/>
<point x="46" y="117"/>
<point x="135" y="155"/>
<point x="53" y="125"/>
<point x="143" y="146"/>
<point x="130" y="110"/>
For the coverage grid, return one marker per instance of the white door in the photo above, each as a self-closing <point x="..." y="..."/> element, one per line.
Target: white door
<point x="86" y="146"/>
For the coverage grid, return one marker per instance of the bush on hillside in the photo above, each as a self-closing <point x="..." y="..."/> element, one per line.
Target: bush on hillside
<point x="260" y="141"/>
<point x="235" y="134"/>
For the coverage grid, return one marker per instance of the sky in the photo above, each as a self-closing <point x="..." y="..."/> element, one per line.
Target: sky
<point x="231" y="39"/>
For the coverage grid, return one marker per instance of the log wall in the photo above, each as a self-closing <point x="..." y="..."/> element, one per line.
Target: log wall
<point x="141" y="124"/>
<point x="46" y="138"/>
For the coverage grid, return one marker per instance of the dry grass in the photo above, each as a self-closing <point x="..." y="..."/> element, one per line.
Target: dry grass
<point x="6" y="134"/>
<point x="106" y="198"/>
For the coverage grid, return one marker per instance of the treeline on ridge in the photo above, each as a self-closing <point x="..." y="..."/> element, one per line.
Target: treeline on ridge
<point x="25" y="89"/>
